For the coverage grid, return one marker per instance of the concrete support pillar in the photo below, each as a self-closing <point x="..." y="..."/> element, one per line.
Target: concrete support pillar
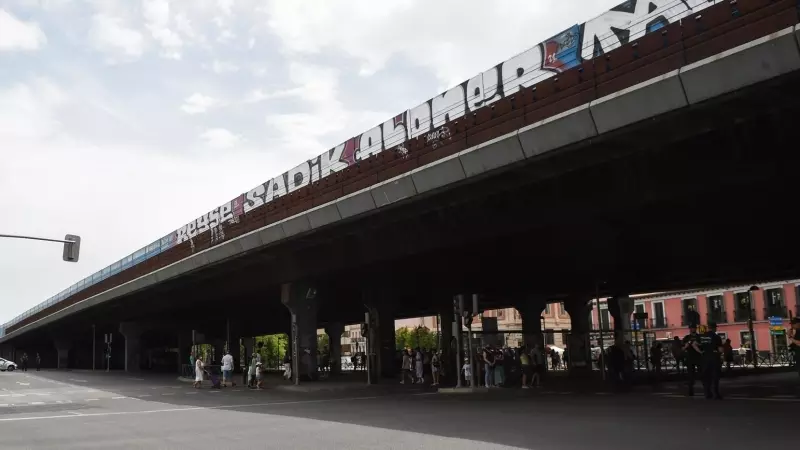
<point x="132" y="333"/>
<point x="579" y="352"/>
<point x="184" y="350"/>
<point x="530" y="311"/>
<point x="621" y="308"/>
<point x="334" y="331"/>
<point x="448" y="345"/>
<point x="302" y="301"/>
<point x="381" y="334"/>
<point x="63" y="346"/>
<point x="219" y="351"/>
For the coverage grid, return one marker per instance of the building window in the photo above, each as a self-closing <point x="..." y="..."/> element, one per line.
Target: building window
<point x="639" y="309"/>
<point x="605" y="319"/>
<point x="547" y="309"/>
<point x="716" y="309"/>
<point x="689" y="307"/>
<point x="500" y="314"/>
<point x="744" y="339"/>
<point x="549" y="339"/>
<point x="742" y="301"/>
<point x="562" y="309"/>
<point x="659" y="320"/>
<point x="774" y="304"/>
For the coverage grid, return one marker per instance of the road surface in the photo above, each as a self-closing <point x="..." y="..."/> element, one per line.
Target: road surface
<point x="82" y="410"/>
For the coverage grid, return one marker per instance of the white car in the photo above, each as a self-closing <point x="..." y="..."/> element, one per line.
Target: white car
<point x="6" y="365"/>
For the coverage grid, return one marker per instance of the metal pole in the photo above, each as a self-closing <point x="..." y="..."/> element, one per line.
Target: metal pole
<point x="14" y="236"/>
<point x="601" y="359"/>
<point x="94" y="349"/>
<point x="753" y="349"/>
<point x="457" y="306"/>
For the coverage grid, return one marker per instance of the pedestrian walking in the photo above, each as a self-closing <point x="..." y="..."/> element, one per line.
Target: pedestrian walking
<point x="711" y="348"/>
<point x="227" y="370"/>
<point x="199" y="367"/>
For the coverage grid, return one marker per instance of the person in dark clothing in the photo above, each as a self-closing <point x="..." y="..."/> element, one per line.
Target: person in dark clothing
<point x="655" y="357"/>
<point x="691" y="356"/>
<point x="24" y="362"/>
<point x="794" y="342"/>
<point x="711" y="348"/>
<point x="727" y="355"/>
<point x="38" y="362"/>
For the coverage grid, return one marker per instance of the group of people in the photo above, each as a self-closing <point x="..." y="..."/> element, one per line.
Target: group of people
<point x="200" y="370"/>
<point x="418" y="363"/>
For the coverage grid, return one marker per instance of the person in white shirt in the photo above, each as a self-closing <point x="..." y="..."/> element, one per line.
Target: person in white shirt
<point x="198" y="372"/>
<point x="467" y="369"/>
<point x="227" y="370"/>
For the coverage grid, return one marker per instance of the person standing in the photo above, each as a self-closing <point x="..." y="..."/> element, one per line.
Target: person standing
<point x="406" y="367"/>
<point x="794" y="341"/>
<point x="191" y="364"/>
<point x="711" y="350"/>
<point x="418" y="365"/>
<point x="24" y="361"/>
<point x="227" y="370"/>
<point x="435" y="366"/>
<point x="691" y="354"/>
<point x="488" y="359"/>
<point x="38" y="362"/>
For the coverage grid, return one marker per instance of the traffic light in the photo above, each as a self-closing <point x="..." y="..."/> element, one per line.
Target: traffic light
<point x="72" y="248"/>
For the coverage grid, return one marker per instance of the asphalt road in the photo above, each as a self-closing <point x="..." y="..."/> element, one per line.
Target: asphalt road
<point x="79" y="410"/>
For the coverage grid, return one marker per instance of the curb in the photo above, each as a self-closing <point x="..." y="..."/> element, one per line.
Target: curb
<point x="464" y="390"/>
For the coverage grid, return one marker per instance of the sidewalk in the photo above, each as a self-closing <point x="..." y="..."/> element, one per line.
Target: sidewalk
<point x="344" y="382"/>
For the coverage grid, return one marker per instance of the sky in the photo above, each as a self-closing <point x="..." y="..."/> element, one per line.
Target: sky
<point x="122" y="120"/>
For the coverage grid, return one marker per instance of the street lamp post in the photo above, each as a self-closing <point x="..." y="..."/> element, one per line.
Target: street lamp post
<point x="753" y="348"/>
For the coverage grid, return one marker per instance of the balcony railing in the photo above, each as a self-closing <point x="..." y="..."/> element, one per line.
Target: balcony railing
<point x="741" y="315"/>
<point x="775" y="311"/>
<point x="717" y="317"/>
<point x="658" y="323"/>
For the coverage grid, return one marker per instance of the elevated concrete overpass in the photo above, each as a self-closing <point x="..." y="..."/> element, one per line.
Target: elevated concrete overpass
<point x="665" y="162"/>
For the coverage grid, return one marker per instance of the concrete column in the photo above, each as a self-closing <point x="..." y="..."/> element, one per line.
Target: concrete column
<point x="184" y="349"/>
<point x="132" y="333"/>
<point x="448" y="346"/>
<point x="302" y="301"/>
<point x="381" y="334"/>
<point x="63" y="346"/>
<point x="334" y="332"/>
<point x="530" y="311"/>
<point x="579" y="352"/>
<point x="621" y="308"/>
<point x="219" y="351"/>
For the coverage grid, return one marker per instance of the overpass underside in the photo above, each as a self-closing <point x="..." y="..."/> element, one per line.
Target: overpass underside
<point x="698" y="197"/>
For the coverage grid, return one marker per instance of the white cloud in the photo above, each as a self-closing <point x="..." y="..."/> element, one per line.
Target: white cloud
<point x="156" y="14"/>
<point x="226" y="36"/>
<point x="220" y="138"/>
<point x="220" y="67"/>
<point x="17" y="35"/>
<point x="198" y="104"/>
<point x="226" y="6"/>
<point x="109" y="35"/>
<point x="443" y="37"/>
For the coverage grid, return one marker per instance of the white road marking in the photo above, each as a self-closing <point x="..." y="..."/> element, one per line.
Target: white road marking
<point x="194" y="408"/>
<point x="784" y="396"/>
<point x="190" y="393"/>
<point x="168" y="393"/>
<point x="3" y="404"/>
<point x="37" y="403"/>
<point x="214" y="392"/>
<point x="23" y="384"/>
<point x="92" y="399"/>
<point x="145" y="395"/>
<point x="117" y="398"/>
<point x="136" y="379"/>
<point x="18" y="395"/>
<point x="78" y="381"/>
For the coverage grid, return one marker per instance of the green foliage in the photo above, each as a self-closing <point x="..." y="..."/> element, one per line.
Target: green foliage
<point x="273" y="349"/>
<point x="323" y="343"/>
<point x="416" y="337"/>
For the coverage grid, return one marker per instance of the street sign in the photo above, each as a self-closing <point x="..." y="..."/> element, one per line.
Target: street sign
<point x="776" y="321"/>
<point x="777" y="332"/>
<point x="635" y="325"/>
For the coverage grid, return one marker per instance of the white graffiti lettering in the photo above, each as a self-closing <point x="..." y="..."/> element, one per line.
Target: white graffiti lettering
<point x="627" y="21"/>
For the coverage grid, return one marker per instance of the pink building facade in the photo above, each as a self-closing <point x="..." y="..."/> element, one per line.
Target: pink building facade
<point x="727" y="307"/>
